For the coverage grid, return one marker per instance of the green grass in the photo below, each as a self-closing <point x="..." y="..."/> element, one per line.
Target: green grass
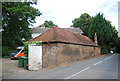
<point x="5" y="56"/>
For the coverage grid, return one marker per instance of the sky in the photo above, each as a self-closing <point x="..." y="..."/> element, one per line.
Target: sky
<point x="62" y="12"/>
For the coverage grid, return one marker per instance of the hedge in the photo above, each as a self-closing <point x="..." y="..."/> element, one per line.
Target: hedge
<point x="6" y="51"/>
<point x="37" y="43"/>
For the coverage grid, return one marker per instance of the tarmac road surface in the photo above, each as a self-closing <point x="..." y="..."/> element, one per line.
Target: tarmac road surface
<point x="104" y="67"/>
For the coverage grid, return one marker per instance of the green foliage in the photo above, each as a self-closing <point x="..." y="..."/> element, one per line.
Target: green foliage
<point x="16" y="19"/>
<point x="83" y="22"/>
<point x="37" y="43"/>
<point x="48" y="24"/>
<point x="6" y="57"/>
<point x="6" y="51"/>
<point x="117" y="45"/>
<point x="106" y="33"/>
<point x="104" y="49"/>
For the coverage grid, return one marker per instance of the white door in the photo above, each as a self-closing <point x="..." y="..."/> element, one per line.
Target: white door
<point x="35" y="57"/>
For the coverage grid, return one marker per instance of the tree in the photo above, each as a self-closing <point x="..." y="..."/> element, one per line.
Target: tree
<point x="117" y="45"/>
<point x="106" y="33"/>
<point x="48" y="24"/>
<point x="16" y="19"/>
<point x="83" y="22"/>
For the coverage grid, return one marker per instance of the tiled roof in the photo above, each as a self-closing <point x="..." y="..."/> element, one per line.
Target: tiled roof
<point x="56" y="34"/>
<point x="42" y="30"/>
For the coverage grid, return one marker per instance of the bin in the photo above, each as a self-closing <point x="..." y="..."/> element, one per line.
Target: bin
<point x="21" y="61"/>
<point x="26" y="62"/>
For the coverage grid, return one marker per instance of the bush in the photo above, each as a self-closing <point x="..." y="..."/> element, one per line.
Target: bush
<point x="37" y="43"/>
<point x="6" y="51"/>
<point x="104" y="51"/>
<point x="6" y="57"/>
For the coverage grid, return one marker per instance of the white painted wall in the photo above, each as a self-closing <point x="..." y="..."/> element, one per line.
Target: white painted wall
<point x="35" y="57"/>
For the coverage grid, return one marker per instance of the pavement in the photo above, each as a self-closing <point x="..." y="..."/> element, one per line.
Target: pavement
<point x="10" y="68"/>
<point x="103" y="67"/>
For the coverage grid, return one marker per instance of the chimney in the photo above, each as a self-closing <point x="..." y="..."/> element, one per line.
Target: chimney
<point x="95" y="39"/>
<point x="43" y="26"/>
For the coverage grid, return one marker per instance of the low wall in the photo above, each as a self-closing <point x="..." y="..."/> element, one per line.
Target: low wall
<point x="56" y="54"/>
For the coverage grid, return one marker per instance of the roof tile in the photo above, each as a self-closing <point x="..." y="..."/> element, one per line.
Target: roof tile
<point x="56" y="34"/>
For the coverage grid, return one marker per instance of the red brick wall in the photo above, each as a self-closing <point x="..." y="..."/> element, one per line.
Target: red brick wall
<point x="56" y="54"/>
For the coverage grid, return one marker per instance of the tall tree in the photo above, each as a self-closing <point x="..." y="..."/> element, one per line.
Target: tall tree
<point x="16" y="19"/>
<point x="117" y="45"/>
<point x="83" y="22"/>
<point x="106" y="33"/>
<point x="49" y="24"/>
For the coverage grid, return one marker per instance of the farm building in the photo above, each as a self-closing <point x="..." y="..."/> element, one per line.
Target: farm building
<point x="63" y="46"/>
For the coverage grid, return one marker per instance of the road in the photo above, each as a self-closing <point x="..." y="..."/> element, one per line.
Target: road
<point x="103" y="67"/>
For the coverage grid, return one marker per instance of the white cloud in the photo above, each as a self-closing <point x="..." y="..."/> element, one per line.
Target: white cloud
<point x="62" y="12"/>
